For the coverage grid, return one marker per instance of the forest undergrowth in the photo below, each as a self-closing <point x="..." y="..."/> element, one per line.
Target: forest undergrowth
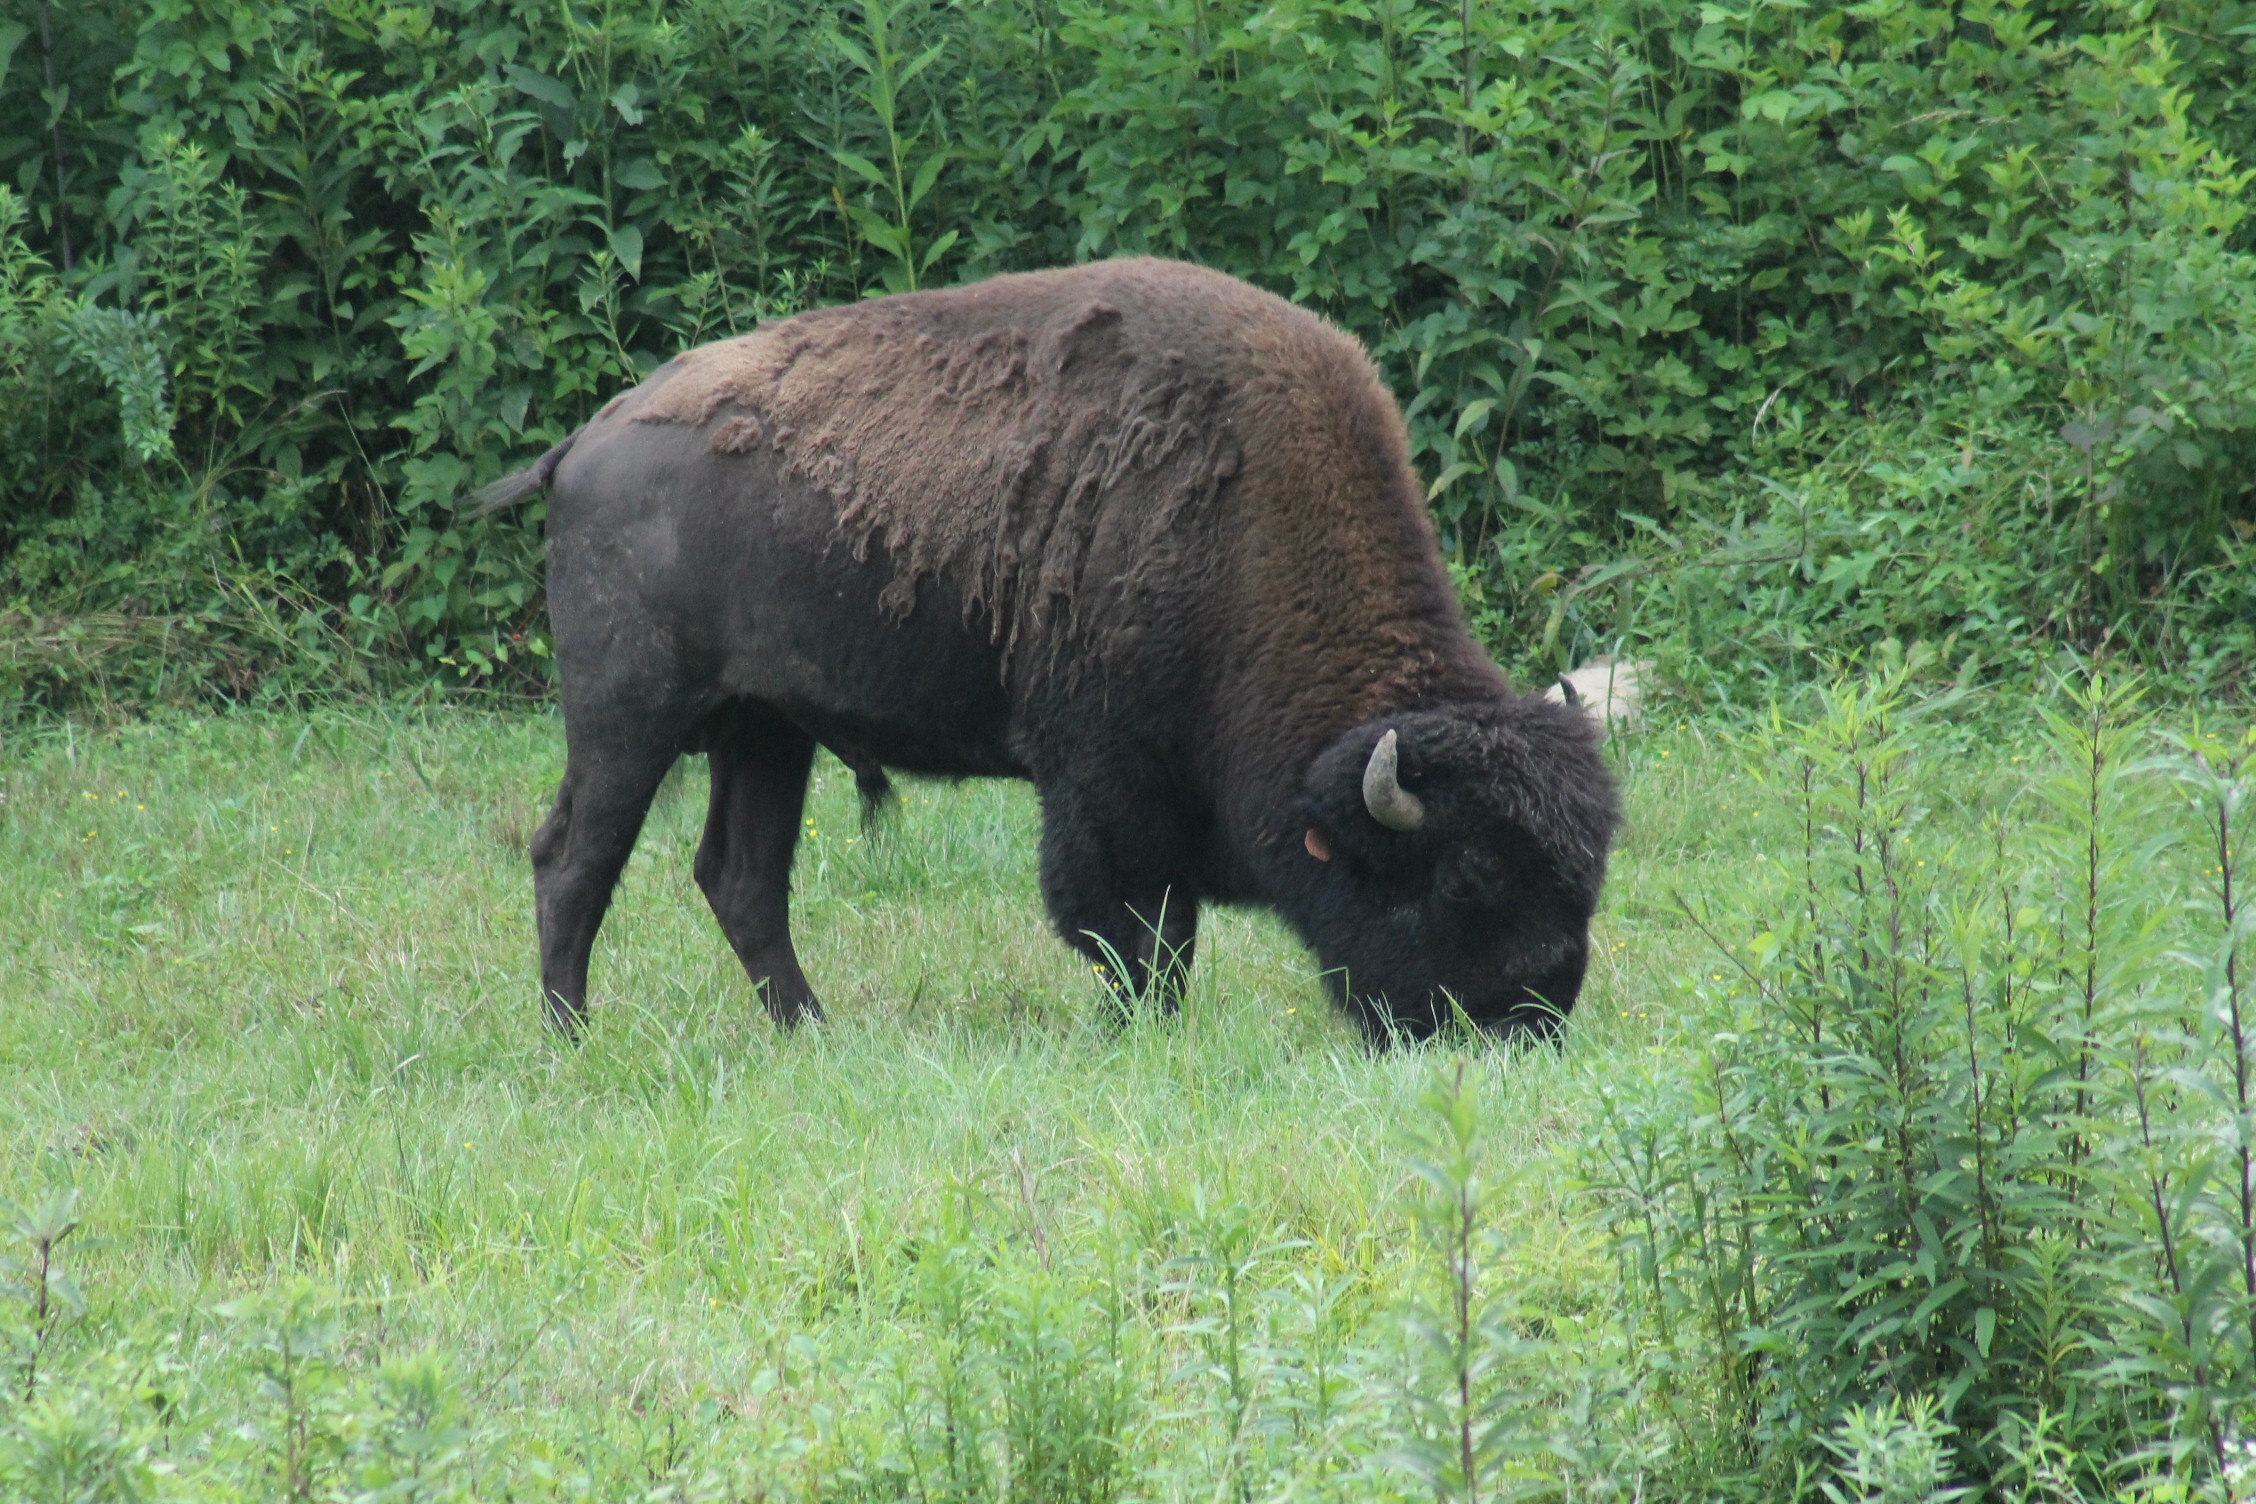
<point x="1742" y="335"/>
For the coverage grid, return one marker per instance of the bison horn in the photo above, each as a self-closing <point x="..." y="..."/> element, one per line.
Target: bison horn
<point x="1384" y="796"/>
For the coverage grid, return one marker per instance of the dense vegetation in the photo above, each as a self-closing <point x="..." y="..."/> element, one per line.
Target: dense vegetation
<point x="1736" y="329"/>
<point x="1902" y="1145"/>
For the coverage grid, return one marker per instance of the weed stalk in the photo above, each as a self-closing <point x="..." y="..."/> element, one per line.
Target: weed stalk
<point x="44" y="1228"/>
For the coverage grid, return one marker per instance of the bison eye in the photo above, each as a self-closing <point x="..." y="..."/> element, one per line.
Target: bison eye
<point x="1465" y="880"/>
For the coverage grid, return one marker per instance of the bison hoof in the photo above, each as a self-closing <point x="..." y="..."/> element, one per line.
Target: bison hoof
<point x="790" y="1008"/>
<point x="565" y="1018"/>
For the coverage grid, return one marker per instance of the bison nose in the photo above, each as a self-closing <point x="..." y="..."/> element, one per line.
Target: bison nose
<point x="1544" y="1004"/>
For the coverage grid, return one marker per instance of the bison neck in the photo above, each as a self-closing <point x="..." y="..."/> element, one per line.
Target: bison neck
<point x="1344" y="615"/>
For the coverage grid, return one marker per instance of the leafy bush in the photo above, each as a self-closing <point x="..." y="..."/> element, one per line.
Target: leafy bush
<point x="1668" y="289"/>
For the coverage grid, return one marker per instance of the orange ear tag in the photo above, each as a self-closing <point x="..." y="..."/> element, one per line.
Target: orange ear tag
<point x="1317" y="846"/>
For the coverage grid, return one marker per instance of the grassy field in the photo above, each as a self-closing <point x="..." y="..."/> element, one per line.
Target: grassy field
<point x="352" y="1222"/>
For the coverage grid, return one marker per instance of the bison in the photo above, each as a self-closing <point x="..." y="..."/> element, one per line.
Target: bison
<point x="1136" y="532"/>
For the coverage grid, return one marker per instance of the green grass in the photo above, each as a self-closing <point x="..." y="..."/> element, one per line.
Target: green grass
<point x="268" y="999"/>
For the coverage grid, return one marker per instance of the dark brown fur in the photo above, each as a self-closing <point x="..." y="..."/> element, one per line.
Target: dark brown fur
<point x="990" y="435"/>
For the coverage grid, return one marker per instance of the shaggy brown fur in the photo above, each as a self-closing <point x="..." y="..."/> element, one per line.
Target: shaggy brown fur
<point x="1001" y="436"/>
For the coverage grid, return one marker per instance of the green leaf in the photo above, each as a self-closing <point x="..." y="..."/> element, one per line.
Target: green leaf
<point x="927" y="175"/>
<point x="862" y="167"/>
<point x="853" y="52"/>
<point x="64" y="1289"/>
<point x="924" y="60"/>
<point x="936" y="250"/>
<point x="1451" y="476"/>
<point x="1473" y="414"/>
<point x="626" y="244"/>
<point x="543" y="88"/>
<point x="879" y="231"/>
<point x="1772" y="104"/>
<point x="639" y="173"/>
<point x="11" y="37"/>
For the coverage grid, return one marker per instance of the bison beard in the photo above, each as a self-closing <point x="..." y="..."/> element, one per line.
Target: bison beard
<point x="1136" y="532"/>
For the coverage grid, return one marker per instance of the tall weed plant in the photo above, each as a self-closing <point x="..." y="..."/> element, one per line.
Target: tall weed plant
<point x="1956" y="1152"/>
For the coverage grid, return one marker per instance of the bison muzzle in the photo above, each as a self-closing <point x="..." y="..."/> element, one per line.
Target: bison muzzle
<point x="1136" y="532"/>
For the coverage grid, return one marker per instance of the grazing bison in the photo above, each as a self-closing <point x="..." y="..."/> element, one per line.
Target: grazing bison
<point x="1136" y="532"/>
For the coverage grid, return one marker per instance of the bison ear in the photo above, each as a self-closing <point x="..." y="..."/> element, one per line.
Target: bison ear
<point x="1318" y="847"/>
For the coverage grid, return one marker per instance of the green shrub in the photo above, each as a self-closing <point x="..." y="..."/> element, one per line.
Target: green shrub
<point x="1669" y="290"/>
<point x="1961" y="1127"/>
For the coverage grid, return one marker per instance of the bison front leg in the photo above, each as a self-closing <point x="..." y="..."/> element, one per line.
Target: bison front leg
<point x="1143" y="948"/>
<point x="759" y="762"/>
<point x="1110" y="894"/>
<point x="1163" y="940"/>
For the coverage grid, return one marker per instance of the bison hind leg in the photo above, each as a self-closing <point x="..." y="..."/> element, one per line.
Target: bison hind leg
<point x="578" y="854"/>
<point x="759" y="761"/>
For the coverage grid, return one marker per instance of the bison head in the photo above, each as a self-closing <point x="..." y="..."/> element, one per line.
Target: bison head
<point x="1454" y="857"/>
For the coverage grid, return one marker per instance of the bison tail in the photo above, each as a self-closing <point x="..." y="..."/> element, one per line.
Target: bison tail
<point x="876" y="791"/>
<point x="511" y="489"/>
